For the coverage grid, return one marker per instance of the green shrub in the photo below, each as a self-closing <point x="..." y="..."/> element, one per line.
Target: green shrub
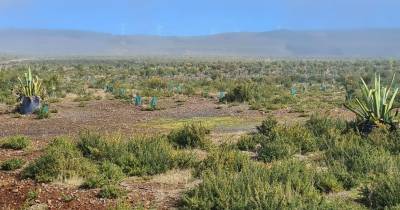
<point x="275" y="150"/>
<point x="12" y="164"/>
<point x="267" y="127"/>
<point x="287" y="185"/>
<point x="137" y="156"/>
<point x="343" y="176"/>
<point x="225" y="159"/>
<point x="15" y="142"/>
<point x="148" y="156"/>
<point x="388" y="140"/>
<point x="351" y="155"/>
<point x="383" y="192"/>
<point x="299" y="137"/>
<point x="43" y="113"/>
<point x="95" y="147"/>
<point x="320" y="126"/>
<point x="61" y="160"/>
<point x="327" y="182"/>
<point x="184" y="159"/>
<point x="325" y="130"/>
<point x="111" y="192"/>
<point x="279" y="142"/>
<point x="122" y="204"/>
<point x="247" y="143"/>
<point x="109" y="173"/>
<point x="240" y="93"/>
<point x="192" y="135"/>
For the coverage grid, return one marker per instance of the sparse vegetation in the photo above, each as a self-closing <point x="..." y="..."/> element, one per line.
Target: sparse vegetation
<point x="294" y="159"/>
<point x="15" y="142"/>
<point x="12" y="164"/>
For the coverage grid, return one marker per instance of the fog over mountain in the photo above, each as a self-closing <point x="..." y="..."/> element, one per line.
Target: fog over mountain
<point x="281" y="43"/>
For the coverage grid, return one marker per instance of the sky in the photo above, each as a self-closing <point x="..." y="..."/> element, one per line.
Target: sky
<point x="198" y="17"/>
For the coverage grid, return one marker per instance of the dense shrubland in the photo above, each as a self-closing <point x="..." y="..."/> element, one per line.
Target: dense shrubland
<point x="301" y="166"/>
<point x="103" y="161"/>
<point x="305" y="164"/>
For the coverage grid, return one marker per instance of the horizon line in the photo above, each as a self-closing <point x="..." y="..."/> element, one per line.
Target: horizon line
<point x="200" y="35"/>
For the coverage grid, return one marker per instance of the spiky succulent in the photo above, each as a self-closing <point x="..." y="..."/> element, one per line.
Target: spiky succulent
<point x="30" y="86"/>
<point x="376" y="104"/>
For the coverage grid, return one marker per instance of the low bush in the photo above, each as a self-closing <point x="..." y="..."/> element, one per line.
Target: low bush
<point x="276" y="142"/>
<point x="241" y="93"/>
<point x="43" y="113"/>
<point x="137" y="156"/>
<point x="266" y="134"/>
<point x="247" y="143"/>
<point x="61" y="160"/>
<point x="383" y="192"/>
<point x="15" y="143"/>
<point x="320" y="125"/>
<point x="388" y="140"/>
<point x="223" y="158"/>
<point x="123" y="204"/>
<point x="275" y="150"/>
<point x="327" y="182"/>
<point x="287" y="185"/>
<point x="353" y="158"/>
<point x="192" y="135"/>
<point x="12" y="164"/>
<point x="267" y="127"/>
<point x="111" y="192"/>
<point x="148" y="156"/>
<point x="109" y="174"/>
<point x="302" y="139"/>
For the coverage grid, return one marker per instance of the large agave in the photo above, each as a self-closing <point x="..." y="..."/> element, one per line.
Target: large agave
<point x="376" y="104"/>
<point x="30" y="86"/>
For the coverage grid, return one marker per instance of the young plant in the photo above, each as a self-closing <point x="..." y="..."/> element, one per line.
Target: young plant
<point x="12" y="164"/>
<point x="375" y="107"/>
<point x="15" y="143"/>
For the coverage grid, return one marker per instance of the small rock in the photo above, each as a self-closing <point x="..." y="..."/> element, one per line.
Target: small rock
<point x="40" y="206"/>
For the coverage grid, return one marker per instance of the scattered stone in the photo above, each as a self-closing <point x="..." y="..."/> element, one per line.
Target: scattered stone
<point x="40" y="206"/>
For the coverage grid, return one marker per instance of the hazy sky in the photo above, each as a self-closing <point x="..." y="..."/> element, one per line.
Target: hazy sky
<point x="197" y="17"/>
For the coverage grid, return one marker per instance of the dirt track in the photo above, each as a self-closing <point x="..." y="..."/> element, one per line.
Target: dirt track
<point x="111" y="116"/>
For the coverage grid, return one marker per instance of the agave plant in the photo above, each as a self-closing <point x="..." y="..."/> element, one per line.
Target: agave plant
<point x="30" y="86"/>
<point x="376" y="104"/>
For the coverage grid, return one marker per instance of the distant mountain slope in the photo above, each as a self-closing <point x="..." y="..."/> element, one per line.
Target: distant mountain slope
<point x="283" y="43"/>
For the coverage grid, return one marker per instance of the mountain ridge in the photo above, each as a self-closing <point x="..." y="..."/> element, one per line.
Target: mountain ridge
<point x="279" y="43"/>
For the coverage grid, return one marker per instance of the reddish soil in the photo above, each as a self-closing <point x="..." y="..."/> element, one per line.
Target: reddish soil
<point x="111" y="116"/>
<point x="103" y="116"/>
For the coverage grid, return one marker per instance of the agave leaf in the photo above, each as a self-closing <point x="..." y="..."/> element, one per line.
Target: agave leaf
<point x="392" y="99"/>
<point x="355" y="111"/>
